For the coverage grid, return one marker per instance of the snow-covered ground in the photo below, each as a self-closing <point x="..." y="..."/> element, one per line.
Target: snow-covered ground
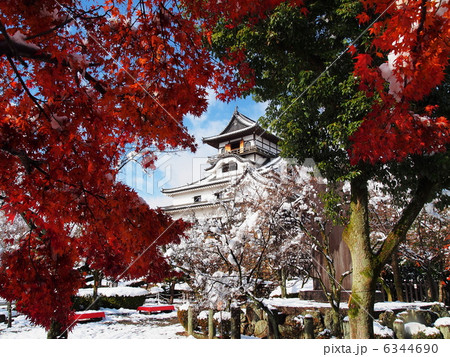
<point x="118" y="324"/>
<point x="129" y="324"/>
<point x="379" y="306"/>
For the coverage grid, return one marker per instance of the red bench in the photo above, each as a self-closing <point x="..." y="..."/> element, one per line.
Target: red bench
<point x="156" y="309"/>
<point x="89" y="316"/>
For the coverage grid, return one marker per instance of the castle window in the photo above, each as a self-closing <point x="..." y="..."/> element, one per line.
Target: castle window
<point x="236" y="145"/>
<point x="197" y="198"/>
<point x="232" y="166"/>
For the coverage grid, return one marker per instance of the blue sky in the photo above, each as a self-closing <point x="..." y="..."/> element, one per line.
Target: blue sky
<point x="184" y="167"/>
<point x="181" y="168"/>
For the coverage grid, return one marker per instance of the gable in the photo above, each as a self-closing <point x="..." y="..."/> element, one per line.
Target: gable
<point x="238" y="122"/>
<point x="234" y="125"/>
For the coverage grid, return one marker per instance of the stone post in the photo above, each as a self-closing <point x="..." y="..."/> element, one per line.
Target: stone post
<point x="190" y="321"/>
<point x="211" y="327"/>
<point x="309" y="327"/>
<point x="445" y="330"/>
<point x="235" y="323"/>
<point x="399" y="329"/>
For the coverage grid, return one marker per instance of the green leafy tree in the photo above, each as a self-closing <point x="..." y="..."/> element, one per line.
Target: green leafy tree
<point x="356" y="119"/>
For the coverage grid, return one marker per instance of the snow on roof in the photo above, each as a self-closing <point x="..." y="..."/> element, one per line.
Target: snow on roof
<point x="212" y="180"/>
<point x="208" y="181"/>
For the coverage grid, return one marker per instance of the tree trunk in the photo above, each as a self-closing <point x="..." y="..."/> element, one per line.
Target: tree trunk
<point x="360" y="307"/>
<point x="98" y="276"/>
<point x="9" y="308"/>
<point x="172" y="291"/>
<point x="96" y="284"/>
<point x="397" y="278"/>
<point x="356" y="236"/>
<point x="386" y="289"/>
<point x="432" y="291"/>
<point x="366" y="264"/>
<point x="336" y="322"/>
<point x="56" y="331"/>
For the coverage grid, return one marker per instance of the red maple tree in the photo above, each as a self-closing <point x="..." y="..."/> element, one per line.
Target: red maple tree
<point x="79" y="87"/>
<point x="411" y="38"/>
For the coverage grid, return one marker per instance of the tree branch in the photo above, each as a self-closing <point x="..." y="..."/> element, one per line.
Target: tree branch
<point x="425" y="190"/>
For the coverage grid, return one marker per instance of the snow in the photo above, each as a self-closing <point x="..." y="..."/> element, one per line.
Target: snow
<point x="387" y="72"/>
<point x="431" y="210"/>
<point x="298" y="303"/>
<point x="203" y="315"/>
<point x="118" y="324"/>
<point x="222" y="315"/>
<point x="381" y="330"/>
<point x="117" y="291"/>
<point x="293" y="287"/>
<point x="182" y="287"/>
<point x="184" y="307"/>
<point x="399" y="305"/>
<point x="412" y="328"/>
<point x="156" y="290"/>
<point x="379" y="306"/>
<point x="443" y="321"/>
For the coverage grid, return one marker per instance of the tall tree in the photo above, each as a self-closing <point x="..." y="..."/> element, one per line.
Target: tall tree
<point x="79" y="86"/>
<point x="363" y="104"/>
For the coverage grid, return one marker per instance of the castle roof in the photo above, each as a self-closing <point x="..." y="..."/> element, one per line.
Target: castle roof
<point x="239" y="125"/>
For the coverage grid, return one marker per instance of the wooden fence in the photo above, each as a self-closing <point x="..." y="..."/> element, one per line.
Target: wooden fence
<point x="412" y="291"/>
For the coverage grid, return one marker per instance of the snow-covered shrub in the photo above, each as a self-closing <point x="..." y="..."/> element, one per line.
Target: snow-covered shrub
<point x="117" y="302"/>
<point x="324" y="334"/>
<point x="113" y="298"/>
<point x="202" y="321"/>
<point x="234" y="255"/>
<point x="420" y="331"/>
<point x="182" y="314"/>
<point x="292" y="327"/>
<point x="443" y="321"/>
